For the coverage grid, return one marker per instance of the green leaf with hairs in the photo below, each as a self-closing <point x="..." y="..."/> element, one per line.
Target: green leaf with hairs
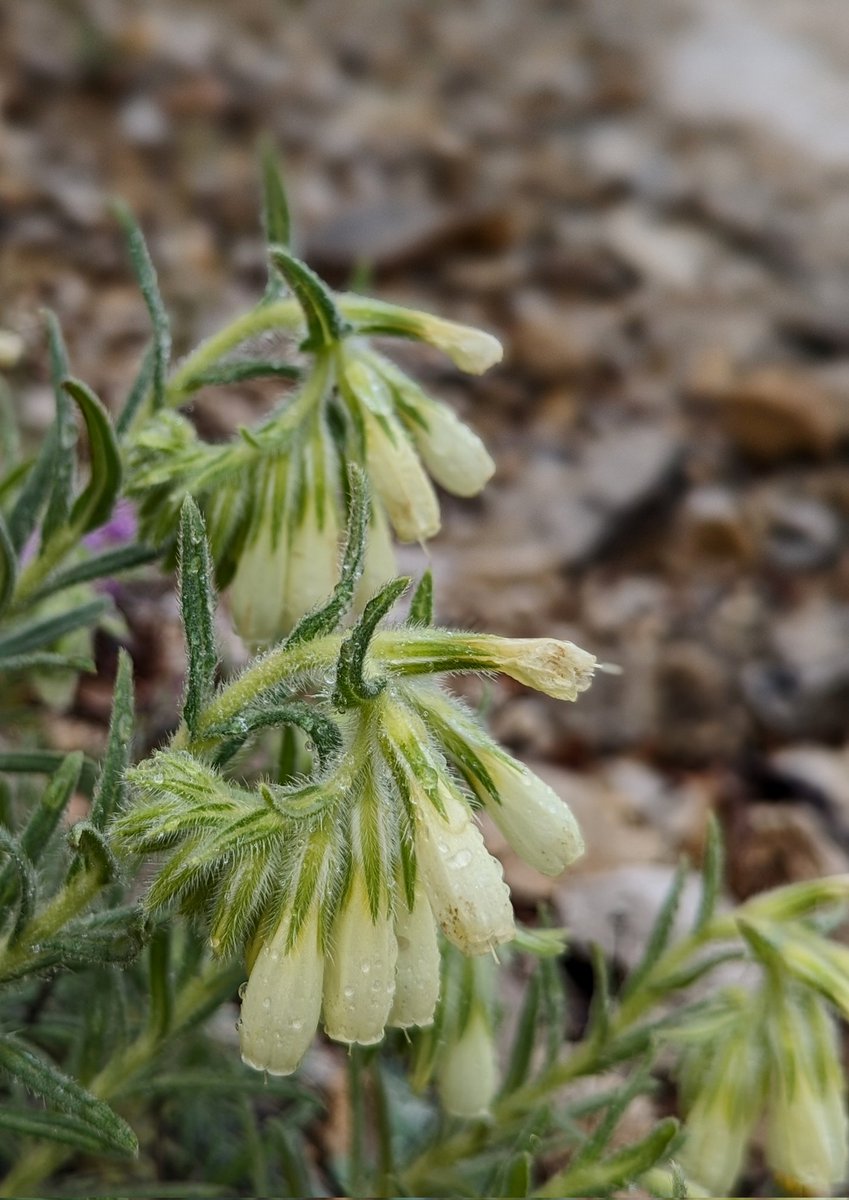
<point x="44" y="762"/>
<point x="145" y="273"/>
<point x="421" y="606"/>
<point x="352" y="687"/>
<point x="62" y="488"/>
<point x="197" y="605"/>
<point x="325" y="325"/>
<point x="93" y="849"/>
<point x="713" y="869"/>
<point x="619" y="1170"/>
<point x="94" y="504"/>
<point x="142" y="385"/>
<point x="8" y="566"/>
<point x="660" y="934"/>
<point x="99" y="566"/>
<point x="221" y="374"/>
<point x="45" y="1080"/>
<point x="108" y="794"/>
<point x="23" y="881"/>
<point x="33" y="636"/>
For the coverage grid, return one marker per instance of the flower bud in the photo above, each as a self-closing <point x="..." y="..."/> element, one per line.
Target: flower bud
<point x="464" y="883"/>
<point x="455" y="456"/>
<point x="560" y="669"/>
<point x="807" y="1129"/>
<point x="359" y="980"/>
<point x="417" y="970"/>
<point x="472" y="350"/>
<point x="536" y="822"/>
<point x="467" y="1075"/>
<point x="282" y="1001"/>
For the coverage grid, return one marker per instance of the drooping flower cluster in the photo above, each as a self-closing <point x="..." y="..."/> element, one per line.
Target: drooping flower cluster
<point x="340" y="882"/>
<point x="275" y="500"/>
<point x="773" y="1051"/>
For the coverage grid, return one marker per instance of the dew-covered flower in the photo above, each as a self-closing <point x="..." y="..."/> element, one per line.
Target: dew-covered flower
<point x="418" y="966"/>
<point x="464" y="883"/>
<point x="454" y="455"/>
<point x="536" y="822"/>
<point x="282" y="1000"/>
<point x="359" y="979"/>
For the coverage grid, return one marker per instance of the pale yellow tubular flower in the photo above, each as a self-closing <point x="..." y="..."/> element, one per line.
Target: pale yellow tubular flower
<point x="455" y="456"/>
<point x="536" y="822"/>
<point x="464" y="883"/>
<point x="282" y="1002"/>
<point x="729" y="1096"/>
<point x="394" y="468"/>
<point x="418" y="967"/>
<point x="472" y="350"/>
<point x="807" y="1145"/>
<point x="400" y="479"/>
<point x="467" y="1075"/>
<point x="258" y="584"/>
<point x="359" y="980"/>
<point x="560" y="669"/>
<point x="312" y="569"/>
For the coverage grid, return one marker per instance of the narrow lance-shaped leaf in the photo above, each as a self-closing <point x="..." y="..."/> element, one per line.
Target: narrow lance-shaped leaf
<point x="351" y="683"/>
<point x="275" y="211"/>
<point x="197" y="605"/>
<point x="24" y="881"/>
<point x="596" y="1143"/>
<point x="325" y="325"/>
<point x="660" y="933"/>
<point x="619" y="1170"/>
<point x="325" y="619"/>
<point x="514" y="1178"/>
<point x="323" y="733"/>
<point x="27" y="638"/>
<point x="99" y="566"/>
<point x="10" y="441"/>
<point x="523" y="1041"/>
<point x="145" y="273"/>
<point x="237" y="372"/>
<point x="598" y="1025"/>
<point x="62" y="489"/>
<point x="160" y="983"/>
<point x="54" y="1127"/>
<point x="109" y="791"/>
<point x="8" y="566"/>
<point x="94" y="851"/>
<point x="142" y="385"/>
<point x="48" y="811"/>
<point x="421" y="606"/>
<point x="94" y="504"/>
<point x="35" y="492"/>
<point x="44" y="762"/>
<point x="712" y="870"/>
<point x="44" y="1079"/>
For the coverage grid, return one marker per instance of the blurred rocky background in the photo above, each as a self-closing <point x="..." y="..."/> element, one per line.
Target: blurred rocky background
<point x="649" y="203"/>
